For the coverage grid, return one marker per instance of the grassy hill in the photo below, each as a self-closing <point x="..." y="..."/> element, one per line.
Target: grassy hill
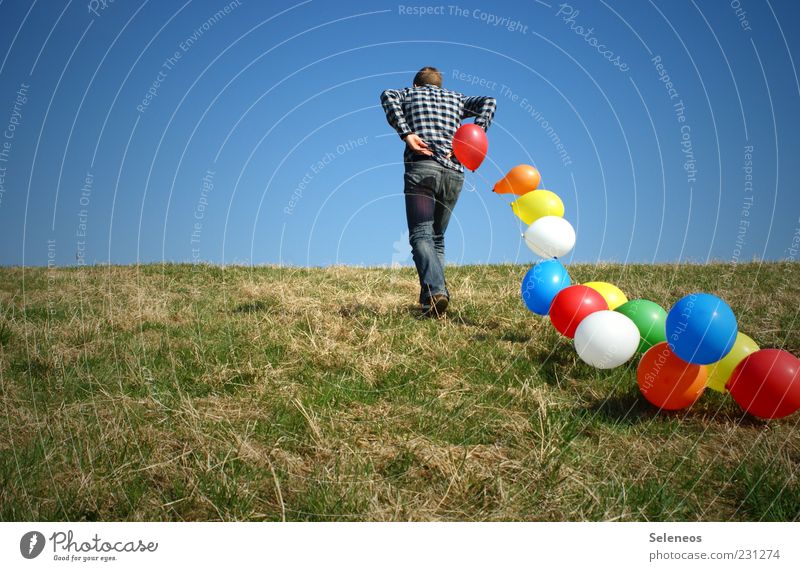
<point x="200" y="393"/>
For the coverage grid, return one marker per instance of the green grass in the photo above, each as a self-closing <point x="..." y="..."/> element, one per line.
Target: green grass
<point x="181" y="392"/>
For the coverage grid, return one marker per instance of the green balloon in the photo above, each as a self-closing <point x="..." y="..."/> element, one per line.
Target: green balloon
<point x="650" y="319"/>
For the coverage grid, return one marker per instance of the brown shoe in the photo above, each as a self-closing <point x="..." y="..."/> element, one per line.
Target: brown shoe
<point x="436" y="306"/>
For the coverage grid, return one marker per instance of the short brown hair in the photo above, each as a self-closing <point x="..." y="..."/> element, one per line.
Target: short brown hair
<point x="428" y="75"/>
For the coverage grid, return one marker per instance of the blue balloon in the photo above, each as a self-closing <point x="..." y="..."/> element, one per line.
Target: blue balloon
<point x="701" y="328"/>
<point x="541" y="284"/>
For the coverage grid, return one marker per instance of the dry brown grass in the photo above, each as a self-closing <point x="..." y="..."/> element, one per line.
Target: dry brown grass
<point x="197" y="393"/>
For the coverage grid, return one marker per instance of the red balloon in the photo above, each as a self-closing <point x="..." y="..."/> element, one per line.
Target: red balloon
<point x="767" y="383"/>
<point x="571" y="305"/>
<point x="470" y="145"/>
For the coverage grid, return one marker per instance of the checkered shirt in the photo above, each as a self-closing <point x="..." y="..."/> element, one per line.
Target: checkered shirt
<point x="434" y="114"/>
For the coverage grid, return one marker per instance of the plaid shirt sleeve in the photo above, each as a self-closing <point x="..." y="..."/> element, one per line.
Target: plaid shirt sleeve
<point x="392" y="102"/>
<point x="481" y="107"/>
<point x="434" y="114"/>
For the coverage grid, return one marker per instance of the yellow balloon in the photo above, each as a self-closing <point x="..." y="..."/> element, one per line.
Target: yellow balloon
<point x="720" y="372"/>
<point x="611" y="293"/>
<point x="533" y="205"/>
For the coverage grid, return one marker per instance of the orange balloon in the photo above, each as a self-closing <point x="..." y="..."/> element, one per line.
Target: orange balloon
<point x="667" y="381"/>
<point x="519" y="180"/>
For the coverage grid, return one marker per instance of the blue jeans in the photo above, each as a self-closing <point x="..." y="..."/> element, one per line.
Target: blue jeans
<point x="431" y="191"/>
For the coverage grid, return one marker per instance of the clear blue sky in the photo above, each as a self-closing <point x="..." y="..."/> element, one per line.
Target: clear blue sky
<point x="274" y="96"/>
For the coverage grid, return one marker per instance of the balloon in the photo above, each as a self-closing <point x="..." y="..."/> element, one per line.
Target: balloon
<point x="667" y="381"/>
<point x="720" y="372"/>
<point x="701" y="328"/>
<point x="550" y="237"/>
<point x="519" y="180"/>
<point x="766" y="383"/>
<point x="649" y="318"/>
<point x="606" y="339"/>
<point x="571" y="305"/>
<point x="541" y="284"/>
<point x="533" y="205"/>
<point x="470" y="145"/>
<point x="612" y="294"/>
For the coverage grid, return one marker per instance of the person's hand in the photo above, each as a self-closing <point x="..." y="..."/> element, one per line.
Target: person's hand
<point x="418" y="145"/>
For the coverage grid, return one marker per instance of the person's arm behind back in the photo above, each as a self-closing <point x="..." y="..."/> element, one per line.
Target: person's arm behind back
<point x="392" y="103"/>
<point x="481" y="107"/>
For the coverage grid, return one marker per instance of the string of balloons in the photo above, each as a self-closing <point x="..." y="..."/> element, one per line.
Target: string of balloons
<point x="693" y="346"/>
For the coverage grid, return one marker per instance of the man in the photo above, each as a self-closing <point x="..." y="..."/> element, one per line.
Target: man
<point x="426" y="116"/>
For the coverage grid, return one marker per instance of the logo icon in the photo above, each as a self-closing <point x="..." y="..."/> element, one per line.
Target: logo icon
<point x="31" y="544"/>
<point x="402" y="251"/>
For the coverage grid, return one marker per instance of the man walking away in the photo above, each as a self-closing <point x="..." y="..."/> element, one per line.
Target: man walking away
<point x="426" y="116"/>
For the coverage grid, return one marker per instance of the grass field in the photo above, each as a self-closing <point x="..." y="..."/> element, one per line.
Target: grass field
<point x="200" y="393"/>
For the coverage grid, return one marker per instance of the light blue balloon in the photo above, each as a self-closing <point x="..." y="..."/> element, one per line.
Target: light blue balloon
<point x="701" y="328"/>
<point x="541" y="284"/>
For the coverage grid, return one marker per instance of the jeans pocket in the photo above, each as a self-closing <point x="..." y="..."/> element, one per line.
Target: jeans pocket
<point x="420" y="177"/>
<point x="455" y="182"/>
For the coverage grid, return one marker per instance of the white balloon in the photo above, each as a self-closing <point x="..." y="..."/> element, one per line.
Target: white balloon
<point x="606" y="339"/>
<point x="550" y="237"/>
